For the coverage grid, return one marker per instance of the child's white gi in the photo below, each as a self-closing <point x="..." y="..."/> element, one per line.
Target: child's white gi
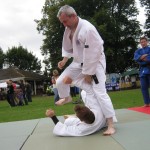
<point x="74" y="127"/>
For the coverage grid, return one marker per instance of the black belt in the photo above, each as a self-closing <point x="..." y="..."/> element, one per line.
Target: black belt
<point x="95" y="79"/>
<point x="93" y="76"/>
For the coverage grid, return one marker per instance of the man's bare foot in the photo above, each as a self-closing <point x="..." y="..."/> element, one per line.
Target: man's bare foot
<point x="109" y="131"/>
<point x="146" y="105"/>
<point x="63" y="101"/>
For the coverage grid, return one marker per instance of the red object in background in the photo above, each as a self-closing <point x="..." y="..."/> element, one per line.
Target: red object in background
<point x="14" y="85"/>
<point x="145" y="110"/>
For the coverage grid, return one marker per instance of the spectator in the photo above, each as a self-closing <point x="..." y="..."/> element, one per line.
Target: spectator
<point x="10" y="94"/>
<point x="142" y="57"/>
<point x="28" y="91"/>
<point x="19" y="96"/>
<point x="22" y="86"/>
<point x="54" y="78"/>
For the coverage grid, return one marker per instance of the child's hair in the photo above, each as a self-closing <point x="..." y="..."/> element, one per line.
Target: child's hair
<point x="84" y="114"/>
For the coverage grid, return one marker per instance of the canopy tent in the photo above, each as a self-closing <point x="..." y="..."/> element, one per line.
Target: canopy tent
<point x="4" y="85"/>
<point x="16" y="74"/>
<point x="130" y="72"/>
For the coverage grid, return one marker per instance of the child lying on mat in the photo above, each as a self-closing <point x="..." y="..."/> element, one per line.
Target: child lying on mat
<point x="84" y="123"/>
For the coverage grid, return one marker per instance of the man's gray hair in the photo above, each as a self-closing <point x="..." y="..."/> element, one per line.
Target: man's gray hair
<point x="68" y="10"/>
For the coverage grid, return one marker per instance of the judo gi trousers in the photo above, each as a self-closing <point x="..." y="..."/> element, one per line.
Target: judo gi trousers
<point x="74" y="71"/>
<point x="145" y="84"/>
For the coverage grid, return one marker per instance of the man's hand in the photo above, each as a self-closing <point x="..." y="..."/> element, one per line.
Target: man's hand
<point x="62" y="63"/>
<point x="67" y="80"/>
<point x="143" y="57"/>
<point x="50" y="113"/>
<point x="88" y="79"/>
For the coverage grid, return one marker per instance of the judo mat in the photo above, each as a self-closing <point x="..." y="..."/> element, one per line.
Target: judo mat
<point x="133" y="133"/>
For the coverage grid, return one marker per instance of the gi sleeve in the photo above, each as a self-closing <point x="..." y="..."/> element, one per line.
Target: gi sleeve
<point x="61" y="129"/>
<point x="148" y="58"/>
<point x="67" y="49"/>
<point x="92" y="52"/>
<point x="137" y="56"/>
<point x="67" y="53"/>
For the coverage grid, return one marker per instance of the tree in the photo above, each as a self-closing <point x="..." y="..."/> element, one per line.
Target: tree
<point x="115" y="20"/>
<point x="120" y="31"/>
<point x="2" y="58"/>
<point x="53" y="32"/>
<point x="21" y="58"/>
<point x="146" y="4"/>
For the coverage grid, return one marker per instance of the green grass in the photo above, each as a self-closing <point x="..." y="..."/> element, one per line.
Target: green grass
<point x="126" y="98"/>
<point x="36" y="109"/>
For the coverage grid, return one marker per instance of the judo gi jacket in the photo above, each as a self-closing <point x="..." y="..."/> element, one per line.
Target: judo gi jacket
<point x="86" y="47"/>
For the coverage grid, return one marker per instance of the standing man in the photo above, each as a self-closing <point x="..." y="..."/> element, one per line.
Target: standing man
<point x="82" y="41"/>
<point x="142" y="57"/>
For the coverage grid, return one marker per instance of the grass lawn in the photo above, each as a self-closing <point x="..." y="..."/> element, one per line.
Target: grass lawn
<point x="36" y="109"/>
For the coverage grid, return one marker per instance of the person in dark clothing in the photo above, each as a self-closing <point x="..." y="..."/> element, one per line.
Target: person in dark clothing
<point x="28" y="91"/>
<point x="22" y="87"/>
<point x="10" y="94"/>
<point x="142" y="57"/>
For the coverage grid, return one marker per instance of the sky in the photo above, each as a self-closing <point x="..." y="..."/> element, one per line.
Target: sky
<point x="17" y="26"/>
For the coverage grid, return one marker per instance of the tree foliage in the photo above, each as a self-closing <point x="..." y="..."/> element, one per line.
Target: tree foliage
<point x="53" y="32"/>
<point x="115" y="20"/>
<point x="21" y="58"/>
<point x="146" y="4"/>
<point x="2" y="58"/>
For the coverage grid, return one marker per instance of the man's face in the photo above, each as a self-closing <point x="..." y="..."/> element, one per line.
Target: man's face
<point x="143" y="43"/>
<point x="67" y="21"/>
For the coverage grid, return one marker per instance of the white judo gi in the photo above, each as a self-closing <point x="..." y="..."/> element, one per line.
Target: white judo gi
<point x="86" y="48"/>
<point x="74" y="127"/>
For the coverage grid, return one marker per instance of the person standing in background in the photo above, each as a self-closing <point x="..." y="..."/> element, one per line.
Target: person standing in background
<point x="10" y="93"/>
<point x="28" y="90"/>
<point x="54" y="78"/>
<point x="142" y="57"/>
<point x="22" y="86"/>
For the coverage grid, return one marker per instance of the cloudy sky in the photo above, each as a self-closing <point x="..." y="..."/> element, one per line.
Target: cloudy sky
<point x="17" y="24"/>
